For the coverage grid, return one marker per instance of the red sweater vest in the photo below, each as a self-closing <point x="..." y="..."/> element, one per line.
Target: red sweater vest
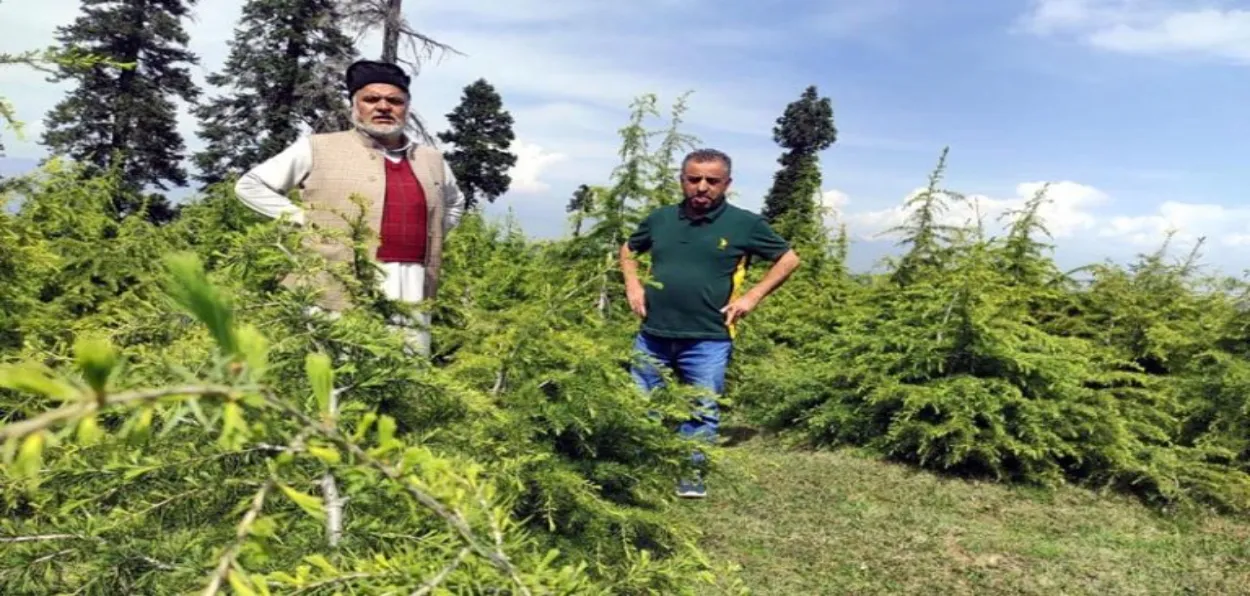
<point x="403" y="234"/>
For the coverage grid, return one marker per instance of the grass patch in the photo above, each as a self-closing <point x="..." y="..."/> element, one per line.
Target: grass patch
<point x="842" y="522"/>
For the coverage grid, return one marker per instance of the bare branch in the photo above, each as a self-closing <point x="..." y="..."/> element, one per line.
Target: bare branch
<point x="245" y="527"/>
<point x="330" y="490"/>
<point x="41" y="538"/>
<point x="362" y="17"/>
<point x="49" y="557"/>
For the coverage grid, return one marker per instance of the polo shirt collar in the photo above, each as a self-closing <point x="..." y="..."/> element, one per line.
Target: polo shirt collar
<point x="709" y="216"/>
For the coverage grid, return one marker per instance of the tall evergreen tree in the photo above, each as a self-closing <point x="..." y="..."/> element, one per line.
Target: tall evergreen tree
<point x="929" y="240"/>
<point x="283" y="74"/>
<point x="481" y="131"/>
<point x="805" y="129"/>
<point x="580" y="205"/>
<point x="125" y="119"/>
<point x="667" y="175"/>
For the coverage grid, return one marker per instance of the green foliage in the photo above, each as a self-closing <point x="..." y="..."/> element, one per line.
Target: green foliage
<point x="925" y="238"/>
<point x="579" y="205"/>
<point x="44" y="60"/>
<point x="977" y="356"/>
<point x="639" y="185"/>
<point x="465" y="537"/>
<point x="481" y="131"/>
<point x="792" y="205"/>
<point x="125" y="119"/>
<point x="174" y="419"/>
<point x="179" y="421"/>
<point x="666" y="161"/>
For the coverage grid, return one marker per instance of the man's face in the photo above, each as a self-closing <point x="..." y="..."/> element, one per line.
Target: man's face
<point x="380" y="109"/>
<point x="704" y="183"/>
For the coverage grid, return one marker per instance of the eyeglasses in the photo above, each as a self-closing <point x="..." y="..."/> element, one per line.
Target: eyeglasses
<point x="711" y="180"/>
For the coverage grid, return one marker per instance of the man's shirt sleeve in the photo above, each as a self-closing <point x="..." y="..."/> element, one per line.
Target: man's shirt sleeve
<point x="453" y="198"/>
<point x="640" y="240"/>
<point x="264" y="187"/>
<point x="765" y="242"/>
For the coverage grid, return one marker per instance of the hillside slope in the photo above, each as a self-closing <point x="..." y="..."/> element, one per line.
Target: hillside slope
<point x="844" y="523"/>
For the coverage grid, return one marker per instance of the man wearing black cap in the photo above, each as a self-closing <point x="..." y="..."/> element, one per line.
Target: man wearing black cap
<point x="412" y="197"/>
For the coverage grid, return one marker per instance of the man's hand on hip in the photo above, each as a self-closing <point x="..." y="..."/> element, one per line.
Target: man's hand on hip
<point x="637" y="298"/>
<point x="739" y="308"/>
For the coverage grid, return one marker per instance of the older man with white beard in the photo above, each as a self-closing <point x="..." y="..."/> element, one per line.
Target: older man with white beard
<point x="413" y="200"/>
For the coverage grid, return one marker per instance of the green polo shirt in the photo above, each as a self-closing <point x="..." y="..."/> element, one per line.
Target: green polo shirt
<point x="699" y="264"/>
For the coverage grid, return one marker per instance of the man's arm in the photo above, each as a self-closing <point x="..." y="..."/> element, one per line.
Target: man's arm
<point x="639" y="241"/>
<point x="629" y="266"/>
<point x="453" y="199"/>
<point x="634" y="292"/>
<point x="766" y="243"/>
<point x="264" y="187"/>
<point x="777" y="275"/>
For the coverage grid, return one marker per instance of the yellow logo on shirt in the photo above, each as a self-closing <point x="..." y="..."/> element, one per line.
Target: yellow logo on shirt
<point x="723" y="243"/>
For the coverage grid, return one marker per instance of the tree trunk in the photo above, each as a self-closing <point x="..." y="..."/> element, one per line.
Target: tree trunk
<point x="390" y="31"/>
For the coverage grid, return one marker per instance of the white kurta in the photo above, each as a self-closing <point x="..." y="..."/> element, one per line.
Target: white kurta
<point x="405" y="282"/>
<point x="264" y="190"/>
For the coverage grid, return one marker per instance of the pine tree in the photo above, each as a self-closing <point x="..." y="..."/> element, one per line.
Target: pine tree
<point x="283" y="74"/>
<point x="928" y="238"/>
<point x="666" y="179"/>
<point x="580" y="205"/>
<point x="125" y="119"/>
<point x="805" y="129"/>
<point x="481" y="131"/>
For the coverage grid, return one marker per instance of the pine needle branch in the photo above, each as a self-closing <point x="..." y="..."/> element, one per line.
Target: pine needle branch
<point x="435" y="581"/>
<point x="495" y="555"/>
<point x="86" y="406"/>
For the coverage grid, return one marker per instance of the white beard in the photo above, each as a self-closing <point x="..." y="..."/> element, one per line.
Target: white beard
<point x="389" y="132"/>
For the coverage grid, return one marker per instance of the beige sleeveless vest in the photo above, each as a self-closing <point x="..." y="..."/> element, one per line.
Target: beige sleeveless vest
<point x="346" y="163"/>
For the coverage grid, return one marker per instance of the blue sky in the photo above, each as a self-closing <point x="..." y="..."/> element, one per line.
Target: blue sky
<point x="1131" y="108"/>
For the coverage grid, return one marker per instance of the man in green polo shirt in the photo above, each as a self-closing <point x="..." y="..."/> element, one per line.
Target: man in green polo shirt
<point x="700" y="250"/>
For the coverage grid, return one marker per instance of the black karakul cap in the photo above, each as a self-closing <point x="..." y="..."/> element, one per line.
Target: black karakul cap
<point x="367" y="72"/>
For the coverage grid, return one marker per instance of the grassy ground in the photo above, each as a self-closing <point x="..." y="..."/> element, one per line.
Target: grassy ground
<point x="842" y="523"/>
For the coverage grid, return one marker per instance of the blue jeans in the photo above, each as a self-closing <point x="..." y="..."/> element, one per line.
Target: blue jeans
<point x="698" y="362"/>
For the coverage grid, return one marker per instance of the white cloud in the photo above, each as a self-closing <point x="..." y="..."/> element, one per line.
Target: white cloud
<point x="1066" y="212"/>
<point x="1221" y="226"/>
<point x="1072" y="215"/>
<point x="1147" y="27"/>
<point x="1051" y="16"/>
<point x="532" y="161"/>
<point x="834" y="200"/>
<point x="1223" y="33"/>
